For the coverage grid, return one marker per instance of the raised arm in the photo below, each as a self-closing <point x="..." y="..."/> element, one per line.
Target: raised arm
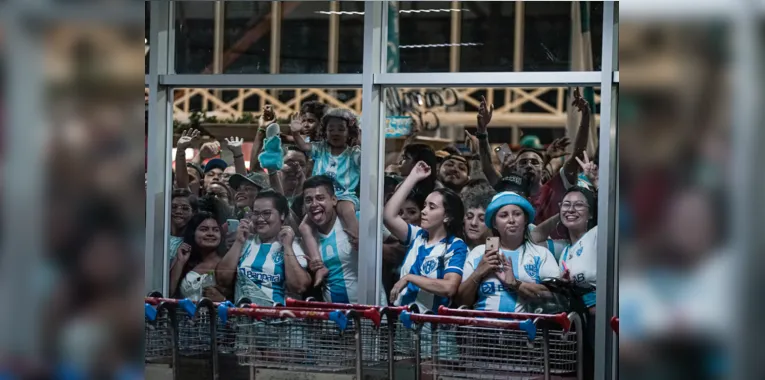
<point x="395" y="224"/>
<point x="226" y="269"/>
<point x="296" y="125"/>
<point x="181" y="171"/>
<point x="234" y="144"/>
<point x="184" y="251"/>
<point x="541" y="232"/>
<point x="484" y="150"/>
<point x="571" y="167"/>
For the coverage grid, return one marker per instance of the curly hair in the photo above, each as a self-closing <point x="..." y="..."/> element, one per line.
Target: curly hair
<point x="350" y="121"/>
<point x="478" y="199"/>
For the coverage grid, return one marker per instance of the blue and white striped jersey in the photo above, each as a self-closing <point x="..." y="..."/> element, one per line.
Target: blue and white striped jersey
<point x="342" y="262"/>
<point x="581" y="261"/>
<point x="531" y="263"/>
<point x="172" y="248"/>
<point x="260" y="275"/>
<point x="434" y="261"/>
<point x="345" y="168"/>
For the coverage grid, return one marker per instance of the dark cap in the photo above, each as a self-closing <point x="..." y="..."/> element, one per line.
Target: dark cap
<point x="260" y="180"/>
<point x="215" y="163"/>
<point x="515" y="183"/>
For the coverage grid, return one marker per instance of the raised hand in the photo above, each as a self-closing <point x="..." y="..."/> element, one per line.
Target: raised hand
<point x="420" y="171"/>
<point x="234" y="144"/>
<point x="187" y="137"/>
<point x="558" y="147"/>
<point x="296" y="123"/>
<point x="267" y="117"/>
<point x="184" y="252"/>
<point x="589" y="168"/>
<point x="484" y="115"/>
<point x="471" y="141"/>
<point x="579" y="102"/>
<point x="489" y="263"/>
<point x="286" y="236"/>
<point x="244" y="230"/>
<point x="209" y="149"/>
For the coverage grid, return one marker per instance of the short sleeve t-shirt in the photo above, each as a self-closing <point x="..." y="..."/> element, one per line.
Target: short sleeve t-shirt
<point x="344" y="168"/>
<point x="432" y="261"/>
<point x="581" y="261"/>
<point x="531" y="263"/>
<point x="260" y="275"/>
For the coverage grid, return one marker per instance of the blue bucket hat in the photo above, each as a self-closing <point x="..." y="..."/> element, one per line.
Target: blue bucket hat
<point x="508" y="198"/>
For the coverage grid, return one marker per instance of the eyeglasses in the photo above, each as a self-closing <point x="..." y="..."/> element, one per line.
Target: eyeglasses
<point x="529" y="161"/>
<point x="578" y="206"/>
<point x="180" y="207"/>
<point x="266" y="215"/>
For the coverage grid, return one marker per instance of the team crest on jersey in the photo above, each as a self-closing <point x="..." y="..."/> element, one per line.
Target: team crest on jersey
<point x="533" y="269"/>
<point x="428" y="266"/>
<point x="579" y="251"/>
<point x="487" y="288"/>
<point x="278" y="257"/>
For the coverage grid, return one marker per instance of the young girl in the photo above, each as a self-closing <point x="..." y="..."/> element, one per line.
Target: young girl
<point x="335" y="157"/>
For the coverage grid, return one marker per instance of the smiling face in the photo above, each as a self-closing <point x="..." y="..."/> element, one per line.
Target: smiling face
<point x="410" y="212"/>
<point x="453" y="174"/>
<point x="475" y="227"/>
<point x="266" y="219"/>
<point x="319" y="203"/>
<point x="337" y="132"/>
<point x="433" y="214"/>
<point x="245" y="194"/>
<point x="510" y="221"/>
<point x="207" y="235"/>
<point x="180" y="212"/>
<point x="574" y="211"/>
<point x="212" y="176"/>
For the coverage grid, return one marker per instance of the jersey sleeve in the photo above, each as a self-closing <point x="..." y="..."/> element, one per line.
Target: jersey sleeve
<point x="356" y="155"/>
<point x="317" y="149"/>
<point x="300" y="255"/>
<point x="456" y="257"/>
<point x="548" y="267"/>
<point x="470" y="261"/>
<point x="411" y="234"/>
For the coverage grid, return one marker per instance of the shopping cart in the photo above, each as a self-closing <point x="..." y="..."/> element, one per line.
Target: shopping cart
<point x="388" y="348"/>
<point x="287" y="343"/>
<point x="182" y="334"/>
<point x="469" y="344"/>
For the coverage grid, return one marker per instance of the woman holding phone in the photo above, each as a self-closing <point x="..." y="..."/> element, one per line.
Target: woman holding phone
<point x="265" y="263"/>
<point x="432" y="268"/>
<point x="508" y="269"/>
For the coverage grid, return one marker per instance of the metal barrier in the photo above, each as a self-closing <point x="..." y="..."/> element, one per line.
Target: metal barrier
<point x="335" y="341"/>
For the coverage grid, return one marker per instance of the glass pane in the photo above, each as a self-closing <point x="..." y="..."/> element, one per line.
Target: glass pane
<point x="480" y="36"/>
<point x="303" y="38"/>
<point x="214" y="164"/>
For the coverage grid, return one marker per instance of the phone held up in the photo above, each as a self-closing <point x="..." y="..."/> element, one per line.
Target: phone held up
<point x="492" y="244"/>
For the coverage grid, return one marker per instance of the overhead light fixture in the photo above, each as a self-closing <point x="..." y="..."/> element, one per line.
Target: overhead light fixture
<point x="400" y="11"/>
<point x="439" y="45"/>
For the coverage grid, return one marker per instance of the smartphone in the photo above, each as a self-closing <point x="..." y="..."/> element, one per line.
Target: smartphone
<point x="503" y="151"/>
<point x="492" y="243"/>
<point x="233" y="225"/>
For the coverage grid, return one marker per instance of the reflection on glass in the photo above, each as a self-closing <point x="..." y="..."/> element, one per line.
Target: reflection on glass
<point x="481" y="36"/>
<point x="269" y="37"/>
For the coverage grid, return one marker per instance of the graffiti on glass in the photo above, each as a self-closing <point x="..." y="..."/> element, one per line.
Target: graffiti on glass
<point x="420" y="104"/>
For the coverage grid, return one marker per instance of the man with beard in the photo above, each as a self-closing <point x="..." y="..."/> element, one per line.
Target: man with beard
<point x="529" y="163"/>
<point x="454" y="172"/>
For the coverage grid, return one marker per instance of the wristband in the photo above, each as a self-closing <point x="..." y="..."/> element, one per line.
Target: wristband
<point x="481" y="135"/>
<point x="239" y="155"/>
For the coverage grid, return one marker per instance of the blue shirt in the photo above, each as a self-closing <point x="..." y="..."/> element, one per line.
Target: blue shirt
<point x="344" y="168"/>
<point x="260" y="273"/>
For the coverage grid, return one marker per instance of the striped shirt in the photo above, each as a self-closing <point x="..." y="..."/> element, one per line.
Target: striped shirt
<point x="431" y="261"/>
<point x="260" y="273"/>
<point x="531" y="263"/>
<point x="344" y="168"/>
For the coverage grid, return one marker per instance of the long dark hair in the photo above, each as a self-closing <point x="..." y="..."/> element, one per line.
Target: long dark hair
<point x="454" y="210"/>
<point x="592" y="203"/>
